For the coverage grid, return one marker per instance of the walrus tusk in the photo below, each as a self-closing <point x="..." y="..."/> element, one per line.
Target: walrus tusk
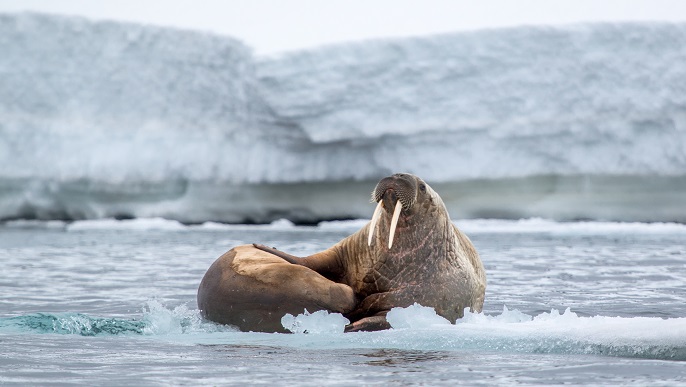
<point x="394" y="222"/>
<point x="372" y="224"/>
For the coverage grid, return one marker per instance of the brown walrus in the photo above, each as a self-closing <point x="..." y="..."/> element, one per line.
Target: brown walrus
<point x="409" y="252"/>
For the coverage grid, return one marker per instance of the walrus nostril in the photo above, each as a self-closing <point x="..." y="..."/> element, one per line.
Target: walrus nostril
<point x="384" y="185"/>
<point x="390" y="195"/>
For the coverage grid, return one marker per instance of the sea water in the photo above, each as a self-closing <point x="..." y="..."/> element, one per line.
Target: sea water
<point x="113" y="303"/>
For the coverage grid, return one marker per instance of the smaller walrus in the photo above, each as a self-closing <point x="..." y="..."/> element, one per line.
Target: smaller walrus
<point x="409" y="252"/>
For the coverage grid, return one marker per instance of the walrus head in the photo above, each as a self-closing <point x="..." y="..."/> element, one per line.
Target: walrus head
<point x="401" y="193"/>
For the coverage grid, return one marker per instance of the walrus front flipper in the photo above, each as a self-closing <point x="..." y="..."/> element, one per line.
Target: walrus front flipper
<point x="370" y="313"/>
<point x="272" y="250"/>
<point x="327" y="263"/>
<point x="368" y="324"/>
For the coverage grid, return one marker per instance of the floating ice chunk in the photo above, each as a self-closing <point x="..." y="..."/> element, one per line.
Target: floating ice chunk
<point x="414" y="317"/>
<point x="508" y="316"/>
<point x="318" y="322"/>
<point x="554" y="314"/>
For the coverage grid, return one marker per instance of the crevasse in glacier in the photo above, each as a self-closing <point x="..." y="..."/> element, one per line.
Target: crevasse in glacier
<point x="102" y="119"/>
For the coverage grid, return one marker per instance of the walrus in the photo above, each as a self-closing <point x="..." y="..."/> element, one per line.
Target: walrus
<point x="409" y="252"/>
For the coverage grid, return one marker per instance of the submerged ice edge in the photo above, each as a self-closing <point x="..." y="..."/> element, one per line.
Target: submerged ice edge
<point x="415" y="327"/>
<point x="529" y="225"/>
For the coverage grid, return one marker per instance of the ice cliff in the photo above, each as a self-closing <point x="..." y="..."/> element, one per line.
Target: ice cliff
<point x="102" y="119"/>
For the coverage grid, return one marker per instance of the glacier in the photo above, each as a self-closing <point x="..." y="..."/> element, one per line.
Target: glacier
<point x="117" y="120"/>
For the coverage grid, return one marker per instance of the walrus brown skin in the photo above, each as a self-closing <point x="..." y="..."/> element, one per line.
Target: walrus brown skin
<point x="253" y="289"/>
<point x="429" y="262"/>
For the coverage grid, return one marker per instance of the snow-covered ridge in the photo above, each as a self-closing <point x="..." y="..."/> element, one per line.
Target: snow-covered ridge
<point x="104" y="119"/>
<point x="113" y="103"/>
<point x="590" y="99"/>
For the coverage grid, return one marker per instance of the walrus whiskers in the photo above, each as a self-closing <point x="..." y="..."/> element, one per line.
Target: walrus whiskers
<point x="372" y="224"/>
<point x="394" y="222"/>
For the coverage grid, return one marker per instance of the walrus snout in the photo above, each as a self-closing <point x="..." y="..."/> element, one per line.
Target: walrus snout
<point x="397" y="192"/>
<point x="400" y="186"/>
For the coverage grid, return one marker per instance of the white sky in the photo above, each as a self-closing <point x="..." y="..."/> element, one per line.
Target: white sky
<point x="271" y="26"/>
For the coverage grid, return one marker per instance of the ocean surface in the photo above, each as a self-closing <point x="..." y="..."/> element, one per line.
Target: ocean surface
<point x="113" y="303"/>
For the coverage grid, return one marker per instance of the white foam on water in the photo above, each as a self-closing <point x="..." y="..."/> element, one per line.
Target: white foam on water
<point x="157" y="224"/>
<point x="538" y="225"/>
<point x="277" y="225"/>
<point x="160" y="320"/>
<point x="534" y="225"/>
<point x="139" y="224"/>
<point x="41" y="224"/>
<point x="469" y="226"/>
<point x="335" y="225"/>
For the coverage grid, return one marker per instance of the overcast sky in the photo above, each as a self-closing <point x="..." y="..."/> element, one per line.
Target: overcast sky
<point x="271" y="26"/>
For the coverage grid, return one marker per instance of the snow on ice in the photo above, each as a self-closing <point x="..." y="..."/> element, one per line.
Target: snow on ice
<point x="105" y="119"/>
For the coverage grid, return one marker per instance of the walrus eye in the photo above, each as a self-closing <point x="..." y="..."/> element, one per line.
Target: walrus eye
<point x="422" y="187"/>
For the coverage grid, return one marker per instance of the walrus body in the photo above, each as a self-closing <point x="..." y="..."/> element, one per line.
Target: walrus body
<point x="252" y="289"/>
<point x="409" y="252"/>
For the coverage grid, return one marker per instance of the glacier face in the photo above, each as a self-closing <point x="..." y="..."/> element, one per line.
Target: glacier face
<point x="114" y="103"/>
<point x="596" y="99"/>
<point x="103" y="119"/>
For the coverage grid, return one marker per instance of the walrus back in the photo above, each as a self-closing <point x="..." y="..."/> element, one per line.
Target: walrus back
<point x="478" y="275"/>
